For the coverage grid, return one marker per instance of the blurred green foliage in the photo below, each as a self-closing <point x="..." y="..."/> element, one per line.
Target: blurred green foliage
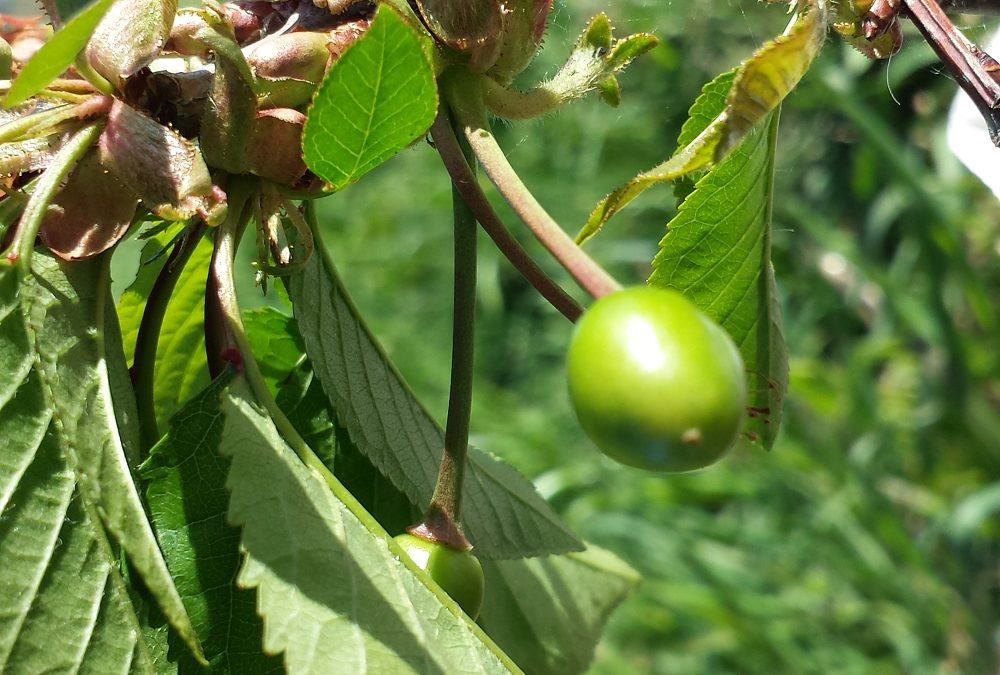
<point x="866" y="542"/>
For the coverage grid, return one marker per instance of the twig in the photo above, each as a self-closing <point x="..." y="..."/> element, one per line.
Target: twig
<point x="974" y="69"/>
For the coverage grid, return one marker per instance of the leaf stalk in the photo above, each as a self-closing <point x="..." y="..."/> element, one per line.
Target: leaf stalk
<point x="465" y="183"/>
<point x="147" y="339"/>
<point x="464" y="94"/>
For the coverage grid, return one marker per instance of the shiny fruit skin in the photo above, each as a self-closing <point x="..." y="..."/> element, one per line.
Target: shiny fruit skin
<point x="458" y="573"/>
<point x="656" y="384"/>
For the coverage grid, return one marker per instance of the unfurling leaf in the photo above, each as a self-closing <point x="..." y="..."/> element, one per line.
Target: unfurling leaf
<point x="761" y="83"/>
<point x="593" y="64"/>
<point x="161" y="166"/>
<point x="89" y="214"/>
<point x="129" y="37"/>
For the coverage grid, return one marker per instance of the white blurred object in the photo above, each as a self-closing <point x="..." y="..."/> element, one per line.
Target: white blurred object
<point x="968" y="137"/>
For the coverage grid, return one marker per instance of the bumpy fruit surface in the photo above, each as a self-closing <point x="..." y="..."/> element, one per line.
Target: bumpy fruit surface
<point x="655" y="383"/>
<point x="457" y="572"/>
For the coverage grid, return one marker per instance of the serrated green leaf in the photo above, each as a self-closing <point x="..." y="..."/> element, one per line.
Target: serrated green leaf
<point x="65" y="608"/>
<point x="702" y="113"/>
<point x="330" y="586"/>
<point x="761" y="83"/>
<point x="377" y="98"/>
<point x="72" y="423"/>
<point x="56" y="561"/>
<point x="188" y="501"/>
<point x="707" y="107"/>
<point x="717" y="252"/>
<point x="503" y="516"/>
<point x="57" y="54"/>
<point x="556" y="637"/>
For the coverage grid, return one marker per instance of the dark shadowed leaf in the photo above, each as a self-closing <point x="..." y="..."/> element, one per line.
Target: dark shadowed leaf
<point x="503" y="515"/>
<point x="186" y="478"/>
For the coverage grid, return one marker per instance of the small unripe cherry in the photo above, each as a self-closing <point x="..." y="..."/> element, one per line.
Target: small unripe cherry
<point x="458" y="573"/>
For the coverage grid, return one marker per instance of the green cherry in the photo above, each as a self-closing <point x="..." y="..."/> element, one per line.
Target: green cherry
<point x="656" y="384"/>
<point x="457" y="572"/>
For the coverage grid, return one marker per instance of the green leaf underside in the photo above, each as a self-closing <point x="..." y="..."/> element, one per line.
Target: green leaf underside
<point x="502" y="515"/>
<point x="59" y="588"/>
<point x="67" y="463"/>
<point x="188" y="502"/>
<point x="558" y="636"/>
<point x="534" y="590"/>
<point x="761" y="83"/>
<point x="57" y="54"/>
<point x="181" y="369"/>
<point x="377" y="98"/>
<point x="718" y="253"/>
<point x="329" y="591"/>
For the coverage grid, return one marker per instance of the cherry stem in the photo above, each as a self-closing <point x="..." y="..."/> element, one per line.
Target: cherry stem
<point x="443" y="517"/>
<point x="233" y="339"/>
<point x="465" y="183"/>
<point x="465" y="96"/>
<point x="148" y="337"/>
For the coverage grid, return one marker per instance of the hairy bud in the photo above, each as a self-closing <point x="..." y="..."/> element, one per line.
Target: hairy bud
<point x="523" y="28"/>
